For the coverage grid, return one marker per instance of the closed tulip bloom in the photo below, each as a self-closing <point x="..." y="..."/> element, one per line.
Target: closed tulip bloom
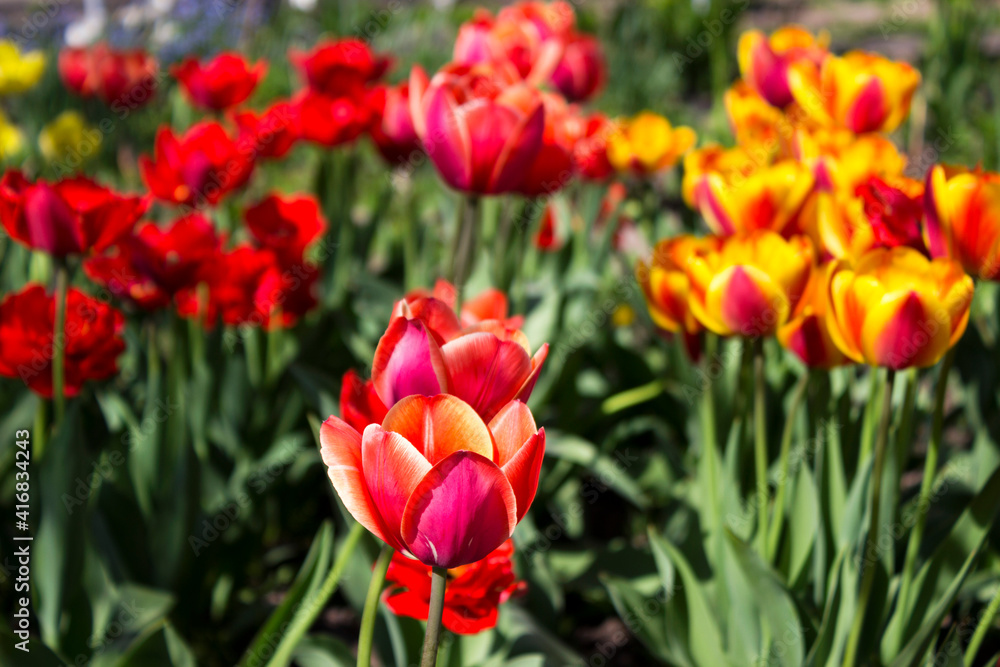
<point x="219" y="83"/>
<point x="665" y="282"/>
<point x="751" y="284"/>
<point x="963" y="218"/>
<point x="93" y="339"/>
<point x="69" y="217"/>
<point x="434" y="480"/>
<point x="765" y="61"/>
<point x="769" y="198"/>
<point x="581" y="72"/>
<point x="472" y="597"/>
<point x="332" y="121"/>
<point x="201" y="166"/>
<point x="859" y="91"/>
<point x="478" y="129"/>
<point x="647" y="144"/>
<point x="807" y="331"/>
<point x="339" y="67"/>
<point x="896" y="308"/>
<point x="393" y="132"/>
<point x="19" y="72"/>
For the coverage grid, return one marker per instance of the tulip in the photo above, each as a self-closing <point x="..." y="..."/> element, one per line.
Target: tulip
<point x="155" y="263"/>
<point x="754" y="122"/>
<point x="590" y="152"/>
<point x="70" y="217"/>
<point x="859" y="91"/>
<point x="550" y="235"/>
<point x="840" y="160"/>
<point x="895" y="211"/>
<point x="220" y="83"/>
<point x="490" y="304"/>
<point x="554" y="165"/>
<point x="124" y="80"/>
<point x="750" y="284"/>
<point x="340" y="67"/>
<point x="202" y="165"/>
<point x="393" y="132"/>
<point x="332" y="121"/>
<point x="426" y="351"/>
<point x="581" y="72"/>
<point x="472" y="597"/>
<point x="434" y="481"/>
<point x="19" y="72"/>
<point x="478" y="129"/>
<point x="285" y="225"/>
<point x="359" y="403"/>
<point x="11" y="139"/>
<point x="807" y="331"/>
<point x="647" y="144"/>
<point x="272" y="133"/>
<point x="732" y="164"/>
<point x="963" y="218"/>
<point x="68" y="139"/>
<point x="769" y="198"/>
<point x="765" y="61"/>
<point x="665" y="282"/>
<point x="91" y="341"/>
<point x="898" y="309"/>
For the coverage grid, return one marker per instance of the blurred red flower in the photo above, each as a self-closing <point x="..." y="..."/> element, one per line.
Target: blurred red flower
<point x="895" y="213"/>
<point x="340" y="67"/>
<point x="331" y="121"/>
<point x="581" y="71"/>
<point x="69" y="217"/>
<point x="285" y="225"/>
<point x="471" y="599"/>
<point x="591" y="148"/>
<point x="92" y="344"/>
<point x="392" y="131"/>
<point x="156" y="263"/>
<point x="202" y="165"/>
<point x="125" y="79"/>
<point x="220" y="83"/>
<point x="272" y="133"/>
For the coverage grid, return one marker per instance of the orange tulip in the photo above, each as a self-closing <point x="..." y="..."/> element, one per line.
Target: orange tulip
<point x="665" y="282"/>
<point x="963" y="218"/>
<point x="807" y="331"/>
<point x="765" y="61"/>
<point x="898" y="309"/>
<point x="648" y="143"/>
<point x="750" y="284"/>
<point x="434" y="481"/>
<point x="863" y="92"/>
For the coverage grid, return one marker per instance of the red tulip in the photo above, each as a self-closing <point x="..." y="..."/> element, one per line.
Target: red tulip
<point x="340" y="67"/>
<point x="581" y="71"/>
<point x="272" y="133"/>
<point x="285" y="225"/>
<point x="490" y="304"/>
<point x="477" y="128"/>
<point x="220" y="83"/>
<point x="591" y="148"/>
<point x="92" y="343"/>
<point x="549" y="237"/>
<point x="471" y="599"/>
<point x="554" y="165"/>
<point x="332" y="121"/>
<point x="895" y="211"/>
<point x="69" y="217"/>
<point x="203" y="165"/>
<point x="359" y="404"/>
<point x="156" y="263"/>
<point x="434" y="481"/>
<point x="392" y="131"/>
<point x="426" y="351"/>
<point x="126" y="78"/>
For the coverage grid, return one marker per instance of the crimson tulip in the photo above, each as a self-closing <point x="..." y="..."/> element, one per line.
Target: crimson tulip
<point x="490" y="304"/>
<point x="392" y="131"/>
<point x="340" y="67"/>
<point x="359" y="403"/>
<point x="332" y="121"/>
<point x="581" y="71"/>
<point x="117" y="77"/>
<point x="69" y="217"/>
<point x="271" y="133"/>
<point x="91" y="345"/>
<point x="285" y="225"/>
<point x="220" y="83"/>
<point x="434" y="480"/>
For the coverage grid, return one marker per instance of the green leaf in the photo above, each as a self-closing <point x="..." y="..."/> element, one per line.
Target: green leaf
<point x="613" y="472"/>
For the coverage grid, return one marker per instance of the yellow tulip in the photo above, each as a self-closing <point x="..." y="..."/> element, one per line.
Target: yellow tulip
<point x="648" y="143"/>
<point x="19" y="71"/>
<point x="11" y="139"/>
<point x="898" y="309"/>
<point x="68" y="138"/>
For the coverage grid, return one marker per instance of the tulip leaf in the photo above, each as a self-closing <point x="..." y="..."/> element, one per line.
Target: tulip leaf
<point x="612" y="472"/>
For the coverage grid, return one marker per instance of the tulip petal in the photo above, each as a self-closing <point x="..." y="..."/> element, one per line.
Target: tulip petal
<point x="392" y="469"/>
<point x="524" y="393"/>
<point x="747" y="301"/>
<point x="906" y="329"/>
<point x="407" y="361"/>
<point x="485" y="371"/>
<point x="439" y="426"/>
<point x="463" y="509"/>
<point x="447" y="139"/>
<point x="523" y="470"/>
<point x="511" y="428"/>
<point x="340" y="447"/>
<point x="868" y="111"/>
<point x="521" y="148"/>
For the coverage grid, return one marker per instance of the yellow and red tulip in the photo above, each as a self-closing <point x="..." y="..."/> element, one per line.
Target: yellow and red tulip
<point x="647" y="144"/>
<point x="750" y="284"/>
<point x="665" y="282"/>
<point x="732" y="164"/>
<point x="765" y="61"/>
<point x="897" y="308"/>
<point x="754" y="122"/>
<point x="841" y="160"/>
<point x="807" y="331"/>
<point x="859" y="91"/>
<point x="963" y="218"/>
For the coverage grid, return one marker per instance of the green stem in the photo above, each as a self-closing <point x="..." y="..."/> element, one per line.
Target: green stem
<point x="631" y="397"/>
<point x="985" y="622"/>
<point x="786" y="447"/>
<point x="59" y="342"/>
<point x="760" y="445"/>
<point x="464" y="248"/>
<point x="926" y="486"/>
<point x="40" y="434"/>
<point x="500" y="277"/>
<point x="310" y="608"/>
<point x="439" y="579"/>
<point x="275" y="343"/>
<point x="456" y="239"/>
<point x="869" y="560"/>
<point x="371" y="606"/>
<point x="875" y="394"/>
